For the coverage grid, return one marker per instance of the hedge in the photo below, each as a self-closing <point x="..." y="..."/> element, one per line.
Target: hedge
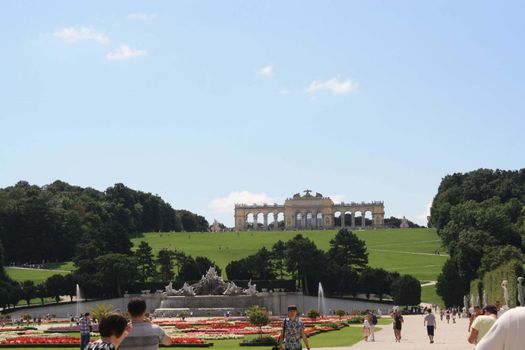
<point x="492" y="282"/>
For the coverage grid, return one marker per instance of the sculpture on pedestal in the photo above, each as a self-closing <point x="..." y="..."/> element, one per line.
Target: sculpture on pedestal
<point x="506" y="296"/>
<point x="520" y="291"/>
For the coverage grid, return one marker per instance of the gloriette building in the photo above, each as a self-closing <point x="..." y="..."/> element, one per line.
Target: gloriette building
<point x="309" y="212"/>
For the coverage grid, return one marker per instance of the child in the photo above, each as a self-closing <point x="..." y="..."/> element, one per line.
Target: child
<point x="366" y="328"/>
<point x="113" y="329"/>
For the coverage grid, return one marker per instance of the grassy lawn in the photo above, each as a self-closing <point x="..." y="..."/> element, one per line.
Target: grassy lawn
<point x="36" y="275"/>
<point x="429" y="295"/>
<point x="409" y="251"/>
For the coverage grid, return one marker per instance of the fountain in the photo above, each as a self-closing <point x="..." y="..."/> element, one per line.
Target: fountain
<point x="321" y="302"/>
<point x="78" y="296"/>
<point x="211" y="296"/>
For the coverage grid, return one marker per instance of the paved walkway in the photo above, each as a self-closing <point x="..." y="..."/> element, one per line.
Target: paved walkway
<point x="414" y="337"/>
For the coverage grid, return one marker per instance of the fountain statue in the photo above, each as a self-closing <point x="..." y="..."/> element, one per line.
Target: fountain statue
<point x="465" y="302"/>
<point x="211" y="296"/>
<point x="251" y="289"/>
<point x="233" y="289"/>
<point x="506" y="296"/>
<point x="520" y="291"/>
<point x="485" y="303"/>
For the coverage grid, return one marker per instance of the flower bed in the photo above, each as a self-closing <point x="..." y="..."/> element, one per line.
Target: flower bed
<point x="39" y="341"/>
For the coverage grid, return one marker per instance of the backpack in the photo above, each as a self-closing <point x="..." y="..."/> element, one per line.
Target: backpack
<point x="374" y="320"/>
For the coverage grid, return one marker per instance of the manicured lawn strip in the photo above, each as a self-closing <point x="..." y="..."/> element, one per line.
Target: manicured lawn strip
<point x="36" y="275"/>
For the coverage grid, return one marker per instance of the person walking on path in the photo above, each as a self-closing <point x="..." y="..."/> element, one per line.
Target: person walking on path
<point x="507" y="333"/>
<point x="113" y="328"/>
<point x="398" y="322"/>
<point x="430" y="322"/>
<point x="85" y="330"/>
<point x="293" y="331"/>
<point x="366" y="328"/>
<point x="476" y="313"/>
<point x="144" y="335"/>
<point x="372" y="319"/>
<point x="482" y="324"/>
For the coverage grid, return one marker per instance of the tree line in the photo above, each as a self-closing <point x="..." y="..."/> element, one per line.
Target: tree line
<point x="59" y="221"/>
<point x="480" y="217"/>
<point x="342" y="270"/>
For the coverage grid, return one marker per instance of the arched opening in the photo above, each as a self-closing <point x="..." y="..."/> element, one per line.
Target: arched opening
<point x="260" y="221"/>
<point x="271" y="221"/>
<point x="358" y="218"/>
<point x="368" y="218"/>
<point x="309" y="220"/>
<point x="249" y="221"/>
<point x="348" y="218"/>
<point x="298" y="220"/>
<point x="280" y="221"/>
<point x="337" y="219"/>
<point x="319" y="220"/>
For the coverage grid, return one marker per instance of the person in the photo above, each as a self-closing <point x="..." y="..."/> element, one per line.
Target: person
<point x="441" y="314"/>
<point x="398" y="321"/>
<point x="373" y="322"/>
<point x="113" y="328"/>
<point x="447" y="315"/>
<point x="454" y="314"/>
<point x="144" y="335"/>
<point x="293" y="331"/>
<point x="85" y="330"/>
<point x="430" y="322"/>
<point x="507" y="333"/>
<point x="482" y="324"/>
<point x="476" y="312"/>
<point x="366" y="328"/>
<point x="501" y="310"/>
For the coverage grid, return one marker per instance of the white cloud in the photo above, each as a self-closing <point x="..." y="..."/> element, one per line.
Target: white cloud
<point x="266" y="71"/>
<point x="141" y="16"/>
<point x="337" y="198"/>
<point x="334" y="85"/>
<point x="74" y="34"/>
<point x="226" y="204"/>
<point x="422" y="218"/>
<point x="124" y="52"/>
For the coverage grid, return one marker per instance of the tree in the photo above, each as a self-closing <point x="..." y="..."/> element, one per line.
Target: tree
<point x="406" y="290"/>
<point x="304" y="261"/>
<point x="278" y="256"/>
<point x="346" y="249"/>
<point x="28" y="291"/>
<point x="145" y="263"/>
<point x="258" y="317"/>
<point x="496" y="256"/>
<point x="374" y="281"/>
<point x="41" y="292"/>
<point x="56" y="286"/>
<point x="165" y="263"/>
<point x="451" y="287"/>
<point x="116" y="271"/>
<point x="258" y="266"/>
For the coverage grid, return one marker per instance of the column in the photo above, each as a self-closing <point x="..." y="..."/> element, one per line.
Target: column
<point x="363" y="219"/>
<point x="265" y="216"/>
<point x="255" y="224"/>
<point x="303" y="219"/>
<point x="352" y="219"/>
<point x="342" y="219"/>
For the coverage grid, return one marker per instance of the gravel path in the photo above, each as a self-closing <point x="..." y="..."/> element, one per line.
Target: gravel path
<point x="448" y="336"/>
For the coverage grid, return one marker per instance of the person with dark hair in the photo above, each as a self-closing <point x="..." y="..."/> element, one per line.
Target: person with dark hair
<point x="482" y="324"/>
<point x="293" y="331"/>
<point x="430" y="322"/>
<point x="85" y="330"/>
<point x="144" y="335"/>
<point x="113" y="328"/>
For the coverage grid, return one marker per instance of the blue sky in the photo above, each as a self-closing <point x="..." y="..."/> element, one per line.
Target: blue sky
<point x="208" y="103"/>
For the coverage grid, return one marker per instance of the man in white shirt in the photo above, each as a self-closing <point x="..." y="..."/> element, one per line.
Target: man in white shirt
<point x="508" y="333"/>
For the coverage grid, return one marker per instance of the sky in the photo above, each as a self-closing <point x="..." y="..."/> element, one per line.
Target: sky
<point x="209" y="103"/>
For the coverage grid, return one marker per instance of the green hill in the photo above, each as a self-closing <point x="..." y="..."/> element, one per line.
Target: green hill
<point x="410" y="251"/>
